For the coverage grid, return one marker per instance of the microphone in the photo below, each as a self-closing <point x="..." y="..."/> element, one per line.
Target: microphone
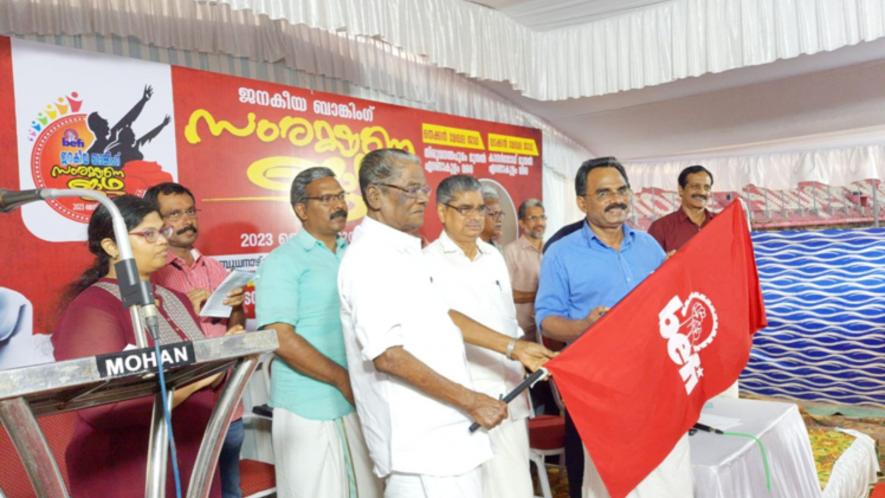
<point x="136" y="294"/>
<point x="11" y="199"/>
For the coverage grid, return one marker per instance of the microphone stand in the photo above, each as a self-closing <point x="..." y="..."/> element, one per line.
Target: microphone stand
<point x="137" y="295"/>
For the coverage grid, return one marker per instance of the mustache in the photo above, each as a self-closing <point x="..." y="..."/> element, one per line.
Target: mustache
<point x="699" y="196"/>
<point x="341" y="213"/>
<point x="619" y="205"/>
<point x="186" y="229"/>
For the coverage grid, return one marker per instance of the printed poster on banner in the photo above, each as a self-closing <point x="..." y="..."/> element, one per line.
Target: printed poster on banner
<point x="92" y="121"/>
<point x="242" y="141"/>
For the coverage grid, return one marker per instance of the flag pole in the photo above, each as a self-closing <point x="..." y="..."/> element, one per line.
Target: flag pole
<point x="528" y="382"/>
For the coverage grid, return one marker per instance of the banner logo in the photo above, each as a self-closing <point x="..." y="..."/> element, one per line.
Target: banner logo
<point x="76" y="148"/>
<point x="688" y="327"/>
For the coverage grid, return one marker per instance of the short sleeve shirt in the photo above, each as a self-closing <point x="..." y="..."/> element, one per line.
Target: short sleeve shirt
<point x="580" y="272"/>
<point x="205" y="273"/>
<point x="675" y="229"/>
<point x="388" y="299"/>
<point x="480" y="288"/>
<point x="296" y="284"/>
<point x="524" y="265"/>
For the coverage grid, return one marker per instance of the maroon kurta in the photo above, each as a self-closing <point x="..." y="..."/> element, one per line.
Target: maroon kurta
<point x="108" y="453"/>
<point x="674" y="230"/>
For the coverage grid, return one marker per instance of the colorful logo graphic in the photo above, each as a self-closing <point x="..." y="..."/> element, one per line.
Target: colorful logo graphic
<point x="74" y="149"/>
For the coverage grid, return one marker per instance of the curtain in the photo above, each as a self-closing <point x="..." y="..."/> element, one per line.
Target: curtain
<point x="657" y="44"/>
<point x="660" y="43"/>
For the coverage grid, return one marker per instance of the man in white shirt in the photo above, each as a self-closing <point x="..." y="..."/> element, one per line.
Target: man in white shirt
<point x="405" y="353"/>
<point x="474" y="281"/>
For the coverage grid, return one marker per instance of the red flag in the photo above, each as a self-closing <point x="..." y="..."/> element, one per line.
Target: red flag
<point x="636" y="381"/>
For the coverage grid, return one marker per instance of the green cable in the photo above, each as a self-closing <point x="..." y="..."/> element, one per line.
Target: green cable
<point x="761" y="450"/>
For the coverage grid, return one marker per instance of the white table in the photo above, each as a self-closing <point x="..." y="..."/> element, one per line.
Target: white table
<point x="727" y="466"/>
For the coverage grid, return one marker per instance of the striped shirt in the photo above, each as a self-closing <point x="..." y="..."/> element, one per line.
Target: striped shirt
<point x="205" y="273"/>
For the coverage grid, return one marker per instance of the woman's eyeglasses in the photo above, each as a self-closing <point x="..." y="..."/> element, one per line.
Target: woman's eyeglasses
<point x="152" y="235"/>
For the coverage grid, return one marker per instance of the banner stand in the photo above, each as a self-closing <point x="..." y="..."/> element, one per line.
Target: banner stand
<point x="70" y="385"/>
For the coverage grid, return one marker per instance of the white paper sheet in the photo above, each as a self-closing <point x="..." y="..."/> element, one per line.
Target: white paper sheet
<point x="214" y="306"/>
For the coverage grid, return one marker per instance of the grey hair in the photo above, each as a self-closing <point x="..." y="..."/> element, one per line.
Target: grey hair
<point x="489" y="193"/>
<point x="377" y="167"/>
<point x="298" y="192"/>
<point x="526" y="205"/>
<point x="456" y="184"/>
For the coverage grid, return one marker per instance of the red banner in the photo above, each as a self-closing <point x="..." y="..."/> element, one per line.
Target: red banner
<point x="636" y="381"/>
<point x="269" y="132"/>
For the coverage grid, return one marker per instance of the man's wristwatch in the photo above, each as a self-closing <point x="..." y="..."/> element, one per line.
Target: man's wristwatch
<point x="510" y="347"/>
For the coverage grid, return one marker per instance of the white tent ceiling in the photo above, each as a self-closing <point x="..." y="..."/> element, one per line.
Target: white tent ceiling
<point x="545" y="15"/>
<point x="830" y="93"/>
<point x="820" y="100"/>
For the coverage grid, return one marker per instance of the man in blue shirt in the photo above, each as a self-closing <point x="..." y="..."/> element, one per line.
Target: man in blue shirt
<point x="319" y="448"/>
<point x="583" y="275"/>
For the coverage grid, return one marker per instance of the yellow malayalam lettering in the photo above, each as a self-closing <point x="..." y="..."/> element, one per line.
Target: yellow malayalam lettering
<point x="300" y="132"/>
<point x="512" y="145"/>
<point x="216" y="128"/>
<point x="453" y="137"/>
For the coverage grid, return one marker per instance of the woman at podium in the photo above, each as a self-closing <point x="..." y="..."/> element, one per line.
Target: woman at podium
<point x="108" y="453"/>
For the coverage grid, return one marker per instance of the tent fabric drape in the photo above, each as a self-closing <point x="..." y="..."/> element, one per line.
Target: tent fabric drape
<point x="838" y="167"/>
<point x="663" y="42"/>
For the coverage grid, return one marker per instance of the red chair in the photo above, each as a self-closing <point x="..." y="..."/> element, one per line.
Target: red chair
<point x="547" y="432"/>
<point x="257" y="479"/>
<point x="546" y="438"/>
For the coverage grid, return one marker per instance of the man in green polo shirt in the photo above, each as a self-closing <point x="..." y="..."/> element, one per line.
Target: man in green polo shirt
<point x="318" y="445"/>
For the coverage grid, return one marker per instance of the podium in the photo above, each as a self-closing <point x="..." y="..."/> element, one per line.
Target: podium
<point x="28" y="392"/>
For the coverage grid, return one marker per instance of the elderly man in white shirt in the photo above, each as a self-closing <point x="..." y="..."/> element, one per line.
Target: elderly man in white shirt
<point x="405" y="352"/>
<point x="474" y="281"/>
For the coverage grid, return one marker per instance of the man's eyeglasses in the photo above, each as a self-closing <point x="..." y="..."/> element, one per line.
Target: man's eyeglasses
<point x="177" y="215"/>
<point x="468" y="210"/>
<point x="604" y="195"/>
<point x="412" y="191"/>
<point x="533" y="219"/>
<point x="495" y="215"/>
<point x="328" y="198"/>
<point x="152" y="235"/>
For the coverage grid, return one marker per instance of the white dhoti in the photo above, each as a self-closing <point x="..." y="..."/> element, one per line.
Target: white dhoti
<point x="671" y="479"/>
<point x="507" y="474"/>
<point x="321" y="458"/>
<point x="467" y="485"/>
